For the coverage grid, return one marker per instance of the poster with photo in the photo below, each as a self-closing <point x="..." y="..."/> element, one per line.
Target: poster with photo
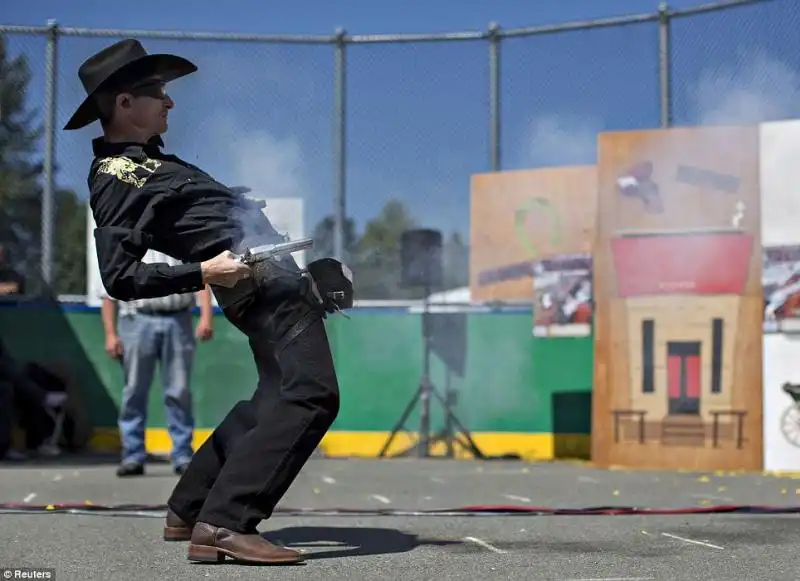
<point x="781" y="283"/>
<point x="562" y="288"/>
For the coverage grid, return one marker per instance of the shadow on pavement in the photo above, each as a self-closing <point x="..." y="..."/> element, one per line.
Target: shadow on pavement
<point x="351" y="541"/>
<point x="65" y="460"/>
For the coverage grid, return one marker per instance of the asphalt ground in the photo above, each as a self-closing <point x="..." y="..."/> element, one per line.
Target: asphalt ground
<point x="630" y="548"/>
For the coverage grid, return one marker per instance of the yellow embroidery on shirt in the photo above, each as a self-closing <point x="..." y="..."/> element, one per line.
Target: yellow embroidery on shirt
<point x="126" y="170"/>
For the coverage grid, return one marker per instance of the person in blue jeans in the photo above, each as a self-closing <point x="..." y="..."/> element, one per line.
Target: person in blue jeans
<point x="146" y="333"/>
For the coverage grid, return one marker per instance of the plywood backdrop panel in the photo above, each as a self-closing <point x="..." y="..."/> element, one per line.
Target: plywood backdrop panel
<point x="521" y="216"/>
<point x="678" y="300"/>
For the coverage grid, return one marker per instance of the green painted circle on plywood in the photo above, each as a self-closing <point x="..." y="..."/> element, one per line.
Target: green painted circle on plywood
<point x="537" y="205"/>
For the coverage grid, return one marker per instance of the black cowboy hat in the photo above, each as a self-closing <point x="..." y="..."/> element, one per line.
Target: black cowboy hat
<point x="125" y="60"/>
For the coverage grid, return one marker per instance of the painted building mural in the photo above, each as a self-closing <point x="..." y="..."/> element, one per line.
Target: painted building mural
<point x="678" y="299"/>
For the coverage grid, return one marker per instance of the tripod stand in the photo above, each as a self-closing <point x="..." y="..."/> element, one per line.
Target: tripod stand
<point x="423" y="395"/>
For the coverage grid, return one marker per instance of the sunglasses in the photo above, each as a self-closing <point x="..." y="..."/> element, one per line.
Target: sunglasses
<point x="154" y="88"/>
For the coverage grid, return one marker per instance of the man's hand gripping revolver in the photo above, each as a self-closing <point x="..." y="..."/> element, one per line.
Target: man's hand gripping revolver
<point x="326" y="282"/>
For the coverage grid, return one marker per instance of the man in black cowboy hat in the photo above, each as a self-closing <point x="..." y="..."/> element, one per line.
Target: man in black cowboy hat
<point x="144" y="199"/>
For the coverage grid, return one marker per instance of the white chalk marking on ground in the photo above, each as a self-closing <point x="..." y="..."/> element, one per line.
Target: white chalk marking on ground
<point x="435" y="479"/>
<point x="57" y="477"/>
<point x="588" y="479"/>
<point x="328" y="480"/>
<point x="380" y="498"/>
<point x="507" y="471"/>
<point x="511" y="471"/>
<point x="427" y="498"/>
<point x="484" y="544"/>
<point x="712" y="497"/>
<point x="691" y="541"/>
<point x="30" y="497"/>
<point x="515" y="497"/>
<point x="613" y="579"/>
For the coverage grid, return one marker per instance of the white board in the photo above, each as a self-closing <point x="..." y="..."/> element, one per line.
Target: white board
<point x="780" y="182"/>
<point x="94" y="286"/>
<point x="781" y="414"/>
<point x="780" y="227"/>
<point x="286" y="216"/>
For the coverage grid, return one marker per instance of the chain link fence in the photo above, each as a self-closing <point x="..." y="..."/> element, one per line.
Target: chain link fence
<point x="379" y="133"/>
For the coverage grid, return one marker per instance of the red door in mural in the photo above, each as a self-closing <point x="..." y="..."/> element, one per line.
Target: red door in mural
<point x="683" y="377"/>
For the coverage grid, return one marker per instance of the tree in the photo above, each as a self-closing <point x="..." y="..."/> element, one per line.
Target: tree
<point x="455" y="263"/>
<point x="377" y="265"/>
<point x="377" y="268"/>
<point x="323" y="239"/>
<point x="69" y="276"/>
<point x="21" y="173"/>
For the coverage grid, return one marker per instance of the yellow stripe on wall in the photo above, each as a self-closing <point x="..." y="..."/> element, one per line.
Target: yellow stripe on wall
<point x="539" y="446"/>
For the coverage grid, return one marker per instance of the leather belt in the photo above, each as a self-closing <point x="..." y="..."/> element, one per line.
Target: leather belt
<point x="157" y="313"/>
<point x="298" y="328"/>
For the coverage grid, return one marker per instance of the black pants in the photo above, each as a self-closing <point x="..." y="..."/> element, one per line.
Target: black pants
<point x="22" y="399"/>
<point x="6" y="416"/>
<point x="240" y="473"/>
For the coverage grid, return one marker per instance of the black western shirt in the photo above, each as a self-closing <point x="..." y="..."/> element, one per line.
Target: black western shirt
<point x="141" y="199"/>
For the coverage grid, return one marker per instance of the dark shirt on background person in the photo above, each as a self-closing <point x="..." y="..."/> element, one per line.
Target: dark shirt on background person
<point x="11" y="282"/>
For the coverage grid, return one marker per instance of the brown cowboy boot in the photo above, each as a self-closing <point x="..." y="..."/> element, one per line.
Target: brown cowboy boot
<point x="212" y="544"/>
<point x="175" y="529"/>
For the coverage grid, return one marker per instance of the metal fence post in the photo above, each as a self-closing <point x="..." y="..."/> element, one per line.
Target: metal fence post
<point x="664" y="64"/>
<point x="339" y="142"/>
<point x="48" y="191"/>
<point x="494" y="96"/>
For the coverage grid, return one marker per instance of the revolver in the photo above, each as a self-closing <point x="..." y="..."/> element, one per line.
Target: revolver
<point x="268" y="251"/>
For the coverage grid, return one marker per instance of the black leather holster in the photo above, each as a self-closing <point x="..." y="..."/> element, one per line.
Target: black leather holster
<point x="328" y="283"/>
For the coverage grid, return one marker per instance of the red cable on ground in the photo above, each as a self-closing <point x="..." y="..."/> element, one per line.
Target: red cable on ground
<point x="477" y="510"/>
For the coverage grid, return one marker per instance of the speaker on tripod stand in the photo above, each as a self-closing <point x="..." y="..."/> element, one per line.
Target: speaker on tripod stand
<point x="421" y="266"/>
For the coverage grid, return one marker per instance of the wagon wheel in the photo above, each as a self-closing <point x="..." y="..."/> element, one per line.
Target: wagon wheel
<point x="790" y="425"/>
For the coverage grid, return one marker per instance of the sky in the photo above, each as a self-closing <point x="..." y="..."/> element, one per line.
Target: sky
<point x="260" y="114"/>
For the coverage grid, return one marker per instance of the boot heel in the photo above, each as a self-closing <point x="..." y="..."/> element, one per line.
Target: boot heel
<point x="177" y="534"/>
<point x="205" y="554"/>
